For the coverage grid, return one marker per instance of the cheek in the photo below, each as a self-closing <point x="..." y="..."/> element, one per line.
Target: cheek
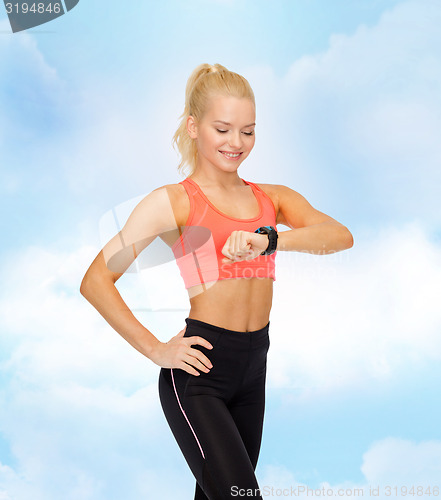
<point x="213" y="139"/>
<point x="251" y="142"/>
<point x="218" y="139"/>
<point x="209" y="142"/>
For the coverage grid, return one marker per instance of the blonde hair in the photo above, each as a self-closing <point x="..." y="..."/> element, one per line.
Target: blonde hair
<point x="205" y="81"/>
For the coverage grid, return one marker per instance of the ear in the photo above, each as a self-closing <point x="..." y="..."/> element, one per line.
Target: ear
<point x="192" y="127"/>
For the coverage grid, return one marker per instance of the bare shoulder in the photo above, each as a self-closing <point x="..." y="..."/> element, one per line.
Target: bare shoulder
<point x="172" y="189"/>
<point x="179" y="201"/>
<point x="283" y="197"/>
<point x="294" y="210"/>
<point x="273" y="192"/>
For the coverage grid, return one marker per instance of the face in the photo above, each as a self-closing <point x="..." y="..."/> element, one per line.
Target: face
<point x="227" y="127"/>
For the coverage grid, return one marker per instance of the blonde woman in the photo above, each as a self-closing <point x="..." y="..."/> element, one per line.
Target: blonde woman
<point x="213" y="372"/>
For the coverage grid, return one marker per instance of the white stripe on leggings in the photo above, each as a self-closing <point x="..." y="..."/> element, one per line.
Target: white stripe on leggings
<point x="182" y="409"/>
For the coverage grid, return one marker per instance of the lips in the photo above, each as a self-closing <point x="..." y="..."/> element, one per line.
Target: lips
<point x="237" y="154"/>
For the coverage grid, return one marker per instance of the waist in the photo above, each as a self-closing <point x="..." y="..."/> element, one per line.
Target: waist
<point x="226" y="338"/>
<point x="236" y="304"/>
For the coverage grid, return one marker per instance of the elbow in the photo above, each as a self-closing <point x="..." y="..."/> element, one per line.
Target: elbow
<point x="348" y="238"/>
<point x="344" y="237"/>
<point x="84" y="286"/>
<point x="93" y="283"/>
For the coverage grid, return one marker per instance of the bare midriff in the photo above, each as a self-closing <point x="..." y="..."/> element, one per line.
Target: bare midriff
<point x="240" y="304"/>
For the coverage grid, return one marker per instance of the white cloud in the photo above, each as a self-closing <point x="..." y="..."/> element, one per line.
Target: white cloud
<point x="31" y="97"/>
<point x="394" y="462"/>
<point x="398" y="461"/>
<point x="21" y="53"/>
<point x="122" y="143"/>
<point x="368" y="313"/>
<point x="358" y="124"/>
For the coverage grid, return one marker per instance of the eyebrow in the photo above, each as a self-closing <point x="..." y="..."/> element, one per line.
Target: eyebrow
<point x="226" y="123"/>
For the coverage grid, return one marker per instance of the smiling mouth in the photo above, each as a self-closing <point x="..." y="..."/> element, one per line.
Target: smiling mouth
<point x="230" y="155"/>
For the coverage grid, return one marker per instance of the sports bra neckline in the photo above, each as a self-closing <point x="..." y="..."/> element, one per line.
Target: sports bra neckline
<point x="259" y="201"/>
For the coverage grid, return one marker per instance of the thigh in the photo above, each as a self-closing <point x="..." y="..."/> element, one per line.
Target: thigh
<point x="249" y="422"/>
<point x="247" y="407"/>
<point x="227" y="462"/>
<point x="171" y="389"/>
<point x="209" y="440"/>
<point x="247" y="411"/>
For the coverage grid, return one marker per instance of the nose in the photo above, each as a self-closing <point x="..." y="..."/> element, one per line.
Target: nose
<point x="235" y="140"/>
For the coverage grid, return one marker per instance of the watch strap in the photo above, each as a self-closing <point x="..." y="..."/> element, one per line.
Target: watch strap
<point x="272" y="238"/>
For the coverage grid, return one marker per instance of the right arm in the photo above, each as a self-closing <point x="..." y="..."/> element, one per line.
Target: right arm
<point x="151" y="217"/>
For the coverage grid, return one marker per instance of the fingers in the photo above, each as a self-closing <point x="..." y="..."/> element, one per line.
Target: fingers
<point x="201" y="364"/>
<point x="196" y="358"/>
<point x="178" y="353"/>
<point x="237" y="247"/>
<point x="203" y="342"/>
<point x="187" y="368"/>
<point x="200" y="356"/>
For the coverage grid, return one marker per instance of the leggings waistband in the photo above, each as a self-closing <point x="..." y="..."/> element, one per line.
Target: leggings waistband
<point x="230" y="339"/>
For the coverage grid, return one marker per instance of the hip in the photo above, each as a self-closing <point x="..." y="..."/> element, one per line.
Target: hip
<point x="239" y="362"/>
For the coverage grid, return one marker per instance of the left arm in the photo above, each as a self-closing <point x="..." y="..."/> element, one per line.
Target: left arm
<point x="311" y="231"/>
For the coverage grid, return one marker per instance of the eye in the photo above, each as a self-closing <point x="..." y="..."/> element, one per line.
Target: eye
<point x="224" y="131"/>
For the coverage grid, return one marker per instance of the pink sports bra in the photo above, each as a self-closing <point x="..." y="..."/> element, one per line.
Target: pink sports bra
<point x="198" y="249"/>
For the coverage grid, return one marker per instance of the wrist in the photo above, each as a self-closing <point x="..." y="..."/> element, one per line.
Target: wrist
<point x="272" y="235"/>
<point x="151" y="349"/>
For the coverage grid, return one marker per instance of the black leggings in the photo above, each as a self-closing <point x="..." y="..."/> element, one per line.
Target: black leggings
<point x="217" y="417"/>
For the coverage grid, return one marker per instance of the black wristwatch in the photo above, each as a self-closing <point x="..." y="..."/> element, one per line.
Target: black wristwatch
<point x="272" y="237"/>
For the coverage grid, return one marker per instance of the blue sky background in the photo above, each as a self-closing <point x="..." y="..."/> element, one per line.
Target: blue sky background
<point x="348" y="114"/>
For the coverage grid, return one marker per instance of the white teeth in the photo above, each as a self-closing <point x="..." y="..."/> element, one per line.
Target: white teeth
<point x="230" y="154"/>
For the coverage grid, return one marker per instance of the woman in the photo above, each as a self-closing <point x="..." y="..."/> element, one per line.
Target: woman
<point x="212" y="377"/>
